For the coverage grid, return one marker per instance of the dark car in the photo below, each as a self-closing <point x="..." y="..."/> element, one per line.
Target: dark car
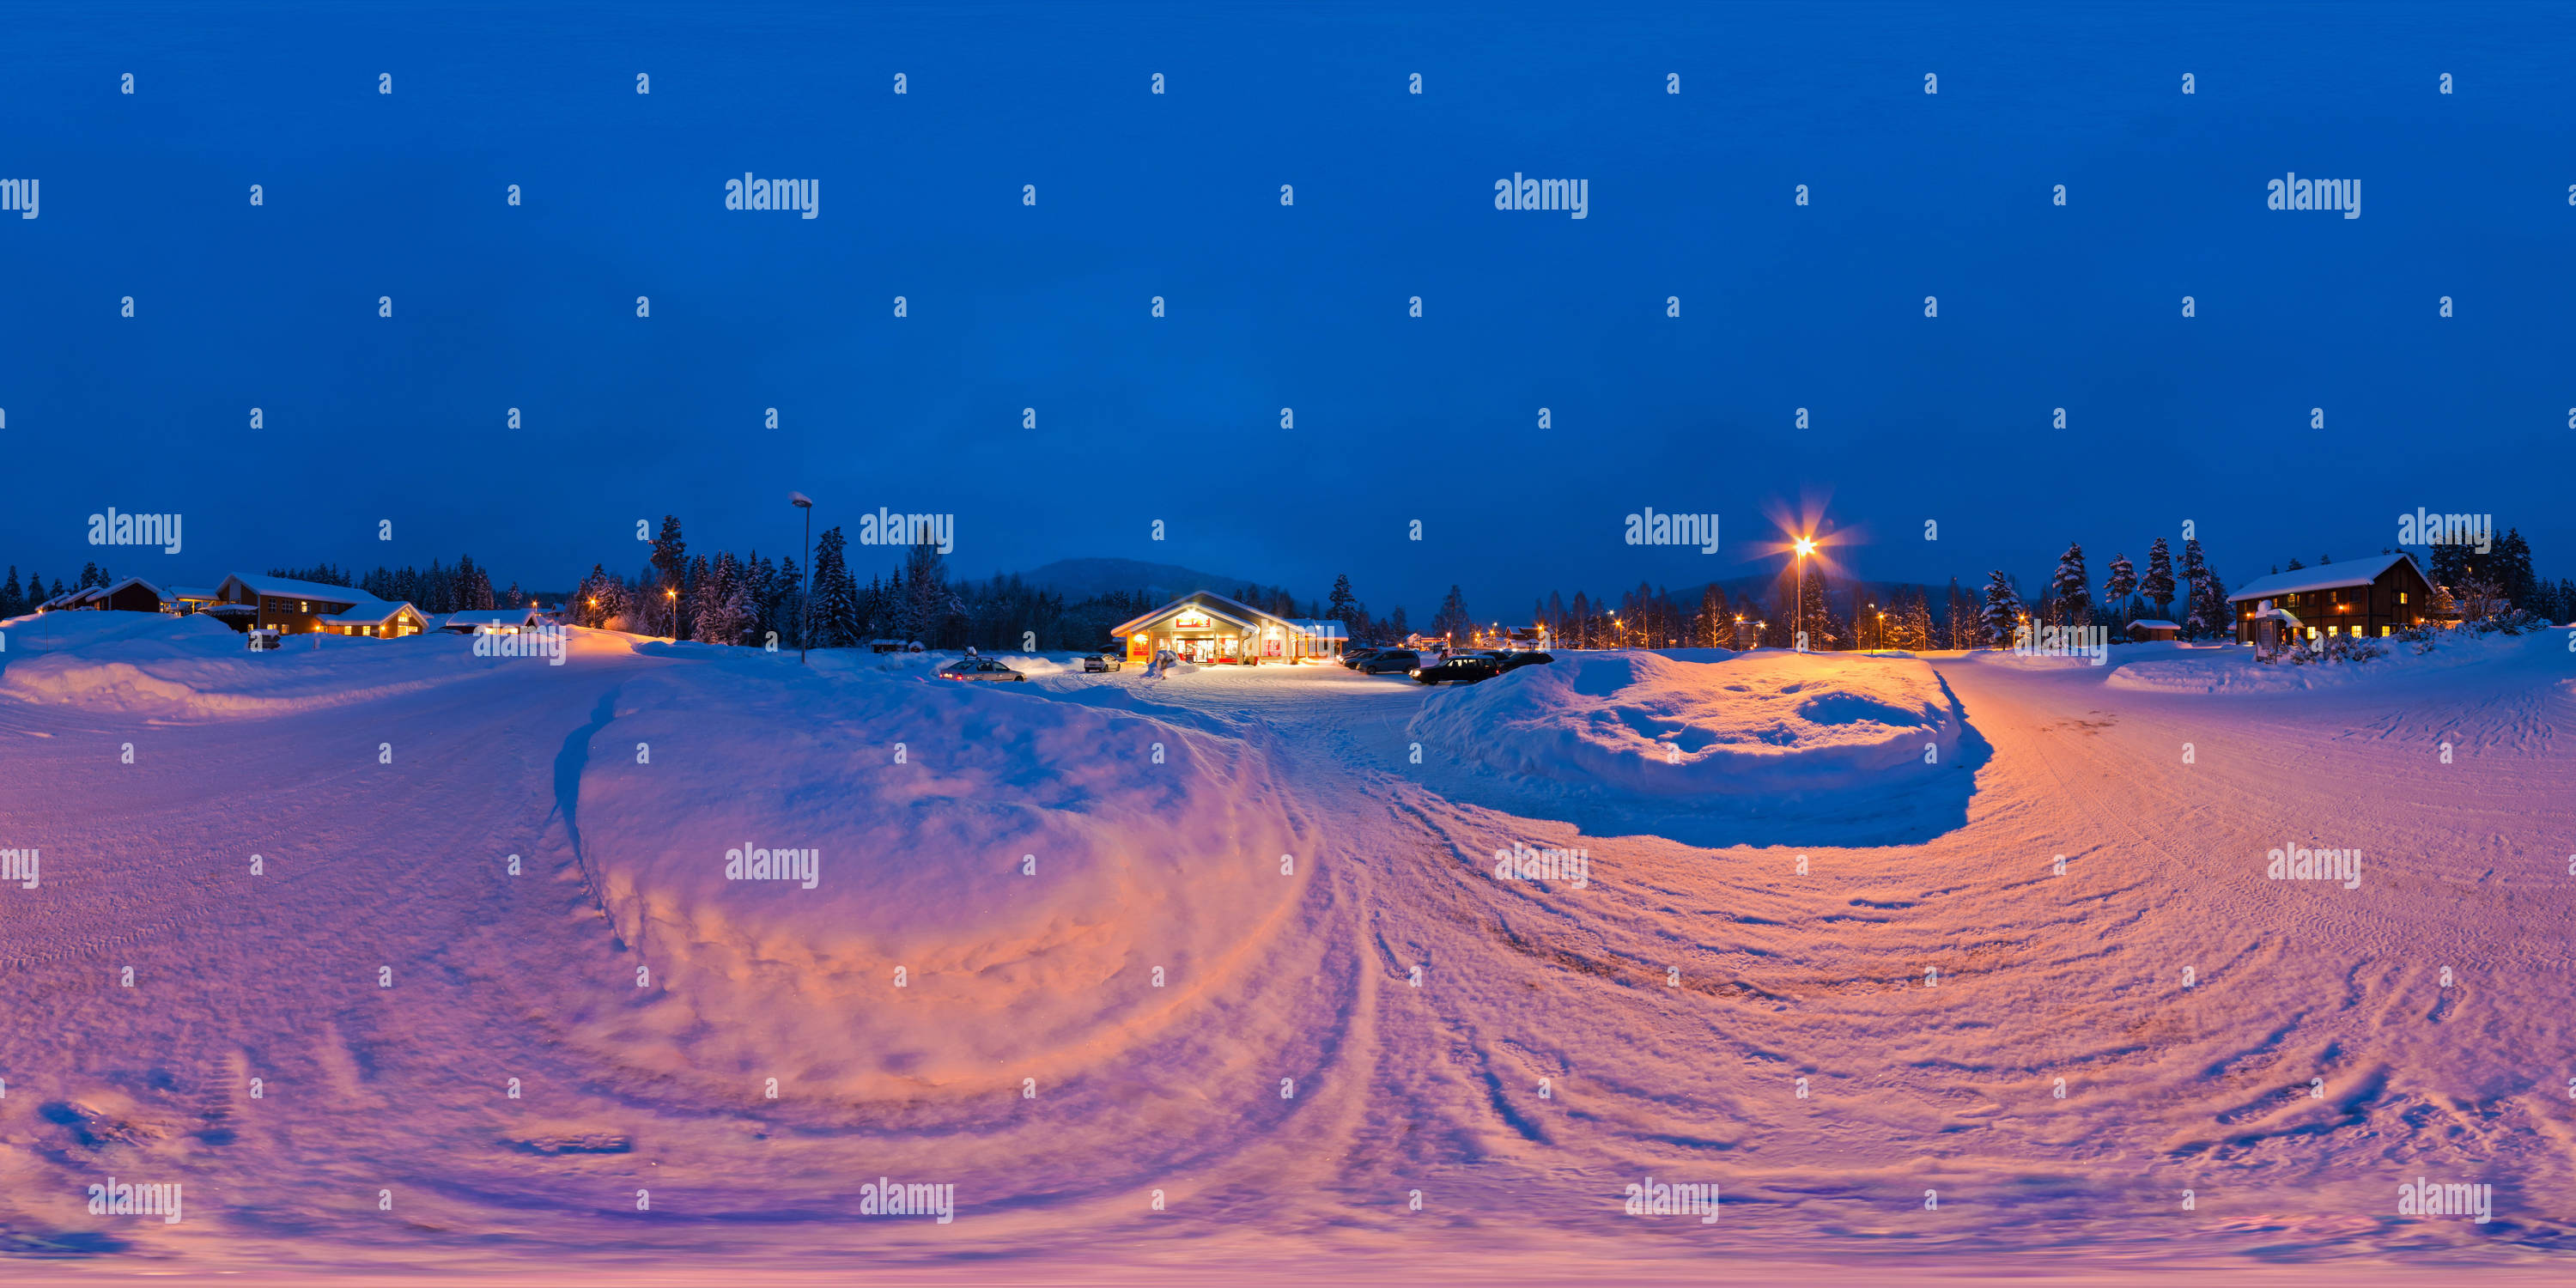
<point x="1398" y="660"/>
<point x="979" y="668"/>
<point x="1515" y="661"/>
<point x="1353" y="657"/>
<point x="1460" y="668"/>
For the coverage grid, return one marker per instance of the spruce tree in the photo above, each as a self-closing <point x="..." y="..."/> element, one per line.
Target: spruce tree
<point x="2511" y="568"/>
<point x="2209" y="614"/>
<point x="1451" y="621"/>
<point x="836" y="603"/>
<point x="2159" y="584"/>
<point x="2002" y="615"/>
<point x="928" y="601"/>
<point x="2070" y="588"/>
<point x="2123" y="583"/>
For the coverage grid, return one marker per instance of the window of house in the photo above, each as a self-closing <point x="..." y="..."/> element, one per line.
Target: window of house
<point x="2401" y="597"/>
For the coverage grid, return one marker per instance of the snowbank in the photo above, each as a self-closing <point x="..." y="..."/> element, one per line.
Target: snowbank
<point x="2205" y="670"/>
<point x="195" y="668"/>
<point x="1656" y="726"/>
<point x="1709" y="752"/>
<point x="924" y="807"/>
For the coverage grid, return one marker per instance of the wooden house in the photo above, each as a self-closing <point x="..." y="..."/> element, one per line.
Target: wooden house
<point x="283" y="603"/>
<point x="2367" y="597"/>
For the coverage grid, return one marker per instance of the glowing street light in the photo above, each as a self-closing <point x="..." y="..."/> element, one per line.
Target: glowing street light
<point x="1798" y="627"/>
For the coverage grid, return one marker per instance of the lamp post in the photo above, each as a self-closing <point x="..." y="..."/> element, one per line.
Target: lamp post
<point x="804" y="602"/>
<point x="1798" y="623"/>
<point x="674" y="595"/>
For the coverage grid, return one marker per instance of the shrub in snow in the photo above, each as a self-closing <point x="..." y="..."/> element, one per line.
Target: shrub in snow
<point x="2334" y="648"/>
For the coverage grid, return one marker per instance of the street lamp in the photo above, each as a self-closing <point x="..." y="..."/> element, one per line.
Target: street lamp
<point x="674" y="595"/>
<point x="1798" y="624"/>
<point x="804" y="602"/>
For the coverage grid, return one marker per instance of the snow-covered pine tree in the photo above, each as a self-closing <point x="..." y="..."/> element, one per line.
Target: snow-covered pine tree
<point x="2210" y="616"/>
<point x="716" y="601"/>
<point x="2070" y="588"/>
<point x="2158" y="585"/>
<point x="2123" y="583"/>
<point x="928" y="600"/>
<point x="835" y="618"/>
<point x="787" y="613"/>
<point x="2002" y="613"/>
<point x="1918" y="621"/>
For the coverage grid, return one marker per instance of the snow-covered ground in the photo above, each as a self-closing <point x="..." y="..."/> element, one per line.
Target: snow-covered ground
<point x="1827" y="1010"/>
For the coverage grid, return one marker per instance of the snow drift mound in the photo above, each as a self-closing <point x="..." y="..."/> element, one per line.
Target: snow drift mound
<point x="196" y="668"/>
<point x="1651" y="725"/>
<point x="1757" y="747"/>
<point x="1056" y="884"/>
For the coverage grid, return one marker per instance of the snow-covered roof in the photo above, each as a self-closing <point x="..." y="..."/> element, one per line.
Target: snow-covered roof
<point x="492" y="617"/>
<point x="2154" y="624"/>
<point x="371" y="612"/>
<point x="1235" y="611"/>
<point x="191" y="592"/>
<point x="134" y="581"/>
<point x="2299" y="581"/>
<point x="80" y="597"/>
<point x="290" y="588"/>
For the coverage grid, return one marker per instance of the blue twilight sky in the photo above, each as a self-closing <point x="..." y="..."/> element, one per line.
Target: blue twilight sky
<point x="1178" y="195"/>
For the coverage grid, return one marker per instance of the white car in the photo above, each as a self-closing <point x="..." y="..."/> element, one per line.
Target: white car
<point x="978" y="668"/>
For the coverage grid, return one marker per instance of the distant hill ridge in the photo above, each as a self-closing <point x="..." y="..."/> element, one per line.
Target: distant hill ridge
<point x="1080" y="579"/>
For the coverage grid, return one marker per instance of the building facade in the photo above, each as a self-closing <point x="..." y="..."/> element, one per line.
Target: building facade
<point x="2367" y="597"/>
<point x="1207" y="627"/>
<point x="284" y="604"/>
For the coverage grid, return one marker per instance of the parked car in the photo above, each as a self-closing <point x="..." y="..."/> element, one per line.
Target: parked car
<point x="978" y="668"/>
<point x="1354" y="656"/>
<point x="1515" y="661"/>
<point x="1460" y="668"/>
<point x="1398" y="660"/>
<point x="1103" y="661"/>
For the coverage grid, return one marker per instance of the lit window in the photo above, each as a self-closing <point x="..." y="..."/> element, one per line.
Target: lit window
<point x="2401" y="597"/>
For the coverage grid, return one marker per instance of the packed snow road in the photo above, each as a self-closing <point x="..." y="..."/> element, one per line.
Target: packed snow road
<point x="1213" y="964"/>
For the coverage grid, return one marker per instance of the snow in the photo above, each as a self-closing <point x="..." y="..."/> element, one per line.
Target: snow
<point x="1671" y="1003"/>
<point x="1743" y="743"/>
<point x="2360" y="572"/>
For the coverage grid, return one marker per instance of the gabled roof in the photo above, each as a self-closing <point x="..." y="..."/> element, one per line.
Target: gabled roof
<point x="373" y="612"/>
<point x="2299" y="581"/>
<point x="2154" y="624"/>
<point x="290" y="588"/>
<point x="190" y="592"/>
<point x="1206" y="601"/>
<point x="135" y="581"/>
